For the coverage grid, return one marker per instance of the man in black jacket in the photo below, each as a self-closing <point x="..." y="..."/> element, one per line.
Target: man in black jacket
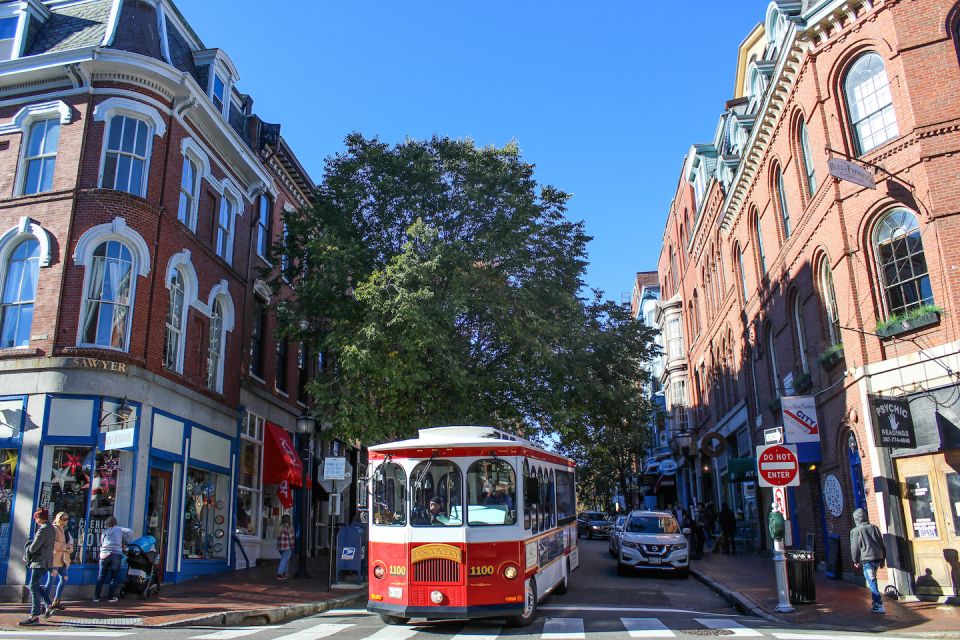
<point x="866" y="548"/>
<point x="728" y="526"/>
<point x="39" y="556"/>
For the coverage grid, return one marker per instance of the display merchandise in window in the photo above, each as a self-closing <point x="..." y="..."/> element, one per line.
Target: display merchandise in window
<point x="205" y="515"/>
<point x="8" y="470"/>
<point x="66" y="489"/>
<point x="103" y="499"/>
<point x="249" y="477"/>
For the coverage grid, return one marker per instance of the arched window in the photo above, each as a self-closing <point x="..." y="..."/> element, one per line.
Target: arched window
<point x="673" y="269"/>
<point x="807" y="158"/>
<point x="867" y="92"/>
<point x="436" y="491"/>
<point x="189" y="189"/>
<point x="109" y="297"/>
<point x="19" y="292"/>
<point x="758" y="236"/>
<point x="215" y="348"/>
<point x="225" y="227"/>
<point x="176" y="322"/>
<point x="798" y="329"/>
<point x="772" y="362"/>
<point x="829" y="302"/>
<point x="901" y="265"/>
<point x="40" y="156"/>
<point x="782" y="201"/>
<point x="743" y="272"/>
<point x="696" y="314"/>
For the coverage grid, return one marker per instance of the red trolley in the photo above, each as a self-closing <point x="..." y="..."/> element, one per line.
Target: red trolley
<point x="468" y="522"/>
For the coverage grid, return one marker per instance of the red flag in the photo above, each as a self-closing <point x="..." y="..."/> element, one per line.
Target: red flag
<point x="285" y="495"/>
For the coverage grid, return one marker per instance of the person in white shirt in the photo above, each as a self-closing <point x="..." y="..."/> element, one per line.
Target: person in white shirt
<point x="111" y="553"/>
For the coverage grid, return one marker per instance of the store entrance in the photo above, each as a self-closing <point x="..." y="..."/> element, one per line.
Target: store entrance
<point x="930" y="486"/>
<point x="158" y="513"/>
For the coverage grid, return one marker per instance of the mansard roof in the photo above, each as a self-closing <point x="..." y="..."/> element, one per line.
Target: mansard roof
<point x="71" y="26"/>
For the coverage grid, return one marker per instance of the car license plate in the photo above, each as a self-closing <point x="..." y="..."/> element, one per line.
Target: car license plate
<point x="653" y="560"/>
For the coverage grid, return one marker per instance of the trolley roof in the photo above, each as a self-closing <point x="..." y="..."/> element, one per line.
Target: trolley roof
<point x="468" y="440"/>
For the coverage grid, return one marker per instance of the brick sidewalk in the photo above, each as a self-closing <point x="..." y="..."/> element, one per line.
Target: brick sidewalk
<point x="840" y="605"/>
<point x="251" y="596"/>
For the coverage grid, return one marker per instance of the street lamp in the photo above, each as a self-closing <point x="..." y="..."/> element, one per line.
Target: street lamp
<point x="306" y="425"/>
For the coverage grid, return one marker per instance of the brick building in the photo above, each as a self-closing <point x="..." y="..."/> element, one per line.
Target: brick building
<point x="780" y="280"/>
<point x="141" y="374"/>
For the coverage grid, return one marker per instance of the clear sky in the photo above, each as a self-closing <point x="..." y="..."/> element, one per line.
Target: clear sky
<point x="603" y="96"/>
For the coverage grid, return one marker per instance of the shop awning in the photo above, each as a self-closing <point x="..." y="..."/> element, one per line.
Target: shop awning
<point x="280" y="459"/>
<point x="742" y="470"/>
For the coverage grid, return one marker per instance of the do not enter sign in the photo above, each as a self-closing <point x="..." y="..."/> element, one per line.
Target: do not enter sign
<point x="778" y="466"/>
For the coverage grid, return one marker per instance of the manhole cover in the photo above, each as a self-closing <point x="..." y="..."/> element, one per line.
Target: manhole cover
<point x="101" y="622"/>
<point x="707" y="632"/>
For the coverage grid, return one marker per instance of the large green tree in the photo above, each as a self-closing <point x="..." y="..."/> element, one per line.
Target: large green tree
<point x="441" y="283"/>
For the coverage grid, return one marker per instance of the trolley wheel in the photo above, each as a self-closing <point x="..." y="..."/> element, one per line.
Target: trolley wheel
<point x="391" y="619"/>
<point x="529" y="607"/>
<point x="564" y="584"/>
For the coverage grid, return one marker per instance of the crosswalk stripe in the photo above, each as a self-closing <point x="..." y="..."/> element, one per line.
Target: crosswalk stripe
<point x="825" y="636"/>
<point x="735" y="628"/>
<point x="227" y="634"/>
<point x="334" y="613"/>
<point x="394" y="633"/>
<point x="563" y="629"/>
<point x="479" y="633"/>
<point x="316" y="632"/>
<point x="68" y="634"/>
<point x="646" y="628"/>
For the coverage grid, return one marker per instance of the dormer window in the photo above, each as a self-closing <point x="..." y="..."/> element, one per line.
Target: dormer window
<point x="8" y="35"/>
<point x="220" y="76"/>
<point x="219" y="92"/>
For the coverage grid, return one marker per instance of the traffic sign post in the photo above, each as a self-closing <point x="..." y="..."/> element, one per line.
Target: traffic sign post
<point x="778" y="466"/>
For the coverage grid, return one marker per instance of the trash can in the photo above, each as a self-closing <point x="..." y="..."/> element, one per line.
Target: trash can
<point x="801" y="580"/>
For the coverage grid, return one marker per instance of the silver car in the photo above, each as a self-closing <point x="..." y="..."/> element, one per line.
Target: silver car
<point x="653" y="540"/>
<point x="615" y="534"/>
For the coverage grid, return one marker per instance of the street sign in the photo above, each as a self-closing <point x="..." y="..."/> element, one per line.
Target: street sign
<point x="773" y="436"/>
<point x="800" y="419"/>
<point x="334" y="468"/>
<point x="778" y="465"/>
<point x="846" y="170"/>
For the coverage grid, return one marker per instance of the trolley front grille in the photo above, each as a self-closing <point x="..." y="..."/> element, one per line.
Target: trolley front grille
<point x="437" y="570"/>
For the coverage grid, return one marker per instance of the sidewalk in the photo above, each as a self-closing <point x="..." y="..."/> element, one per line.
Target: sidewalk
<point x="248" y="597"/>
<point x="748" y="582"/>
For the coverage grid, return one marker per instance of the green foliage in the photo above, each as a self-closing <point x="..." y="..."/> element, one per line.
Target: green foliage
<point x="441" y="283"/>
<point x="829" y="352"/>
<point x="907" y="316"/>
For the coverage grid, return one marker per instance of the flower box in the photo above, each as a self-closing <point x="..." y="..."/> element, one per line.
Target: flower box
<point x="802" y="382"/>
<point x="830" y="358"/>
<point x="907" y="324"/>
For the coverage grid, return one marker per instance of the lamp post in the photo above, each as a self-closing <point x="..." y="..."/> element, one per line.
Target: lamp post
<point x="684" y="439"/>
<point x="306" y="425"/>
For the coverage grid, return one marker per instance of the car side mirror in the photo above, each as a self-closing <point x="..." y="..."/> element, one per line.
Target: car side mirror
<point x="686" y="531"/>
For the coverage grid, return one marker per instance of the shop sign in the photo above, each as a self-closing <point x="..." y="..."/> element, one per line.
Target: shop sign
<point x="668" y="467"/>
<point x="800" y="419"/>
<point x="334" y="468"/>
<point x="119" y="439"/>
<point x="104" y="365"/>
<point x="713" y="444"/>
<point x="833" y="495"/>
<point x="846" y="170"/>
<point x="894" y="422"/>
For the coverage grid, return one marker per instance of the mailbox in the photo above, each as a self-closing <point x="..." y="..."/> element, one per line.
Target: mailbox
<point x="351" y="553"/>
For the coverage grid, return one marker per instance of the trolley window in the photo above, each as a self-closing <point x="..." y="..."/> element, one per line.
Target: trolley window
<point x="491" y="493"/>
<point x="566" y="497"/>
<point x="389" y="495"/>
<point x="437" y="494"/>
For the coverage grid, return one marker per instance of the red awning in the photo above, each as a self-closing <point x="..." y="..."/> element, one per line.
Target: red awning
<point x="280" y="459"/>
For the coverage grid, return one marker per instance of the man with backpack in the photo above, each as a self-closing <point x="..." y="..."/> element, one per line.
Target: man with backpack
<point x="867" y="549"/>
<point x="38" y="556"/>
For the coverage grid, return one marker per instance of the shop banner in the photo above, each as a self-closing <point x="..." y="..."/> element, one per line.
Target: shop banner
<point x="285" y="495"/>
<point x="281" y="463"/>
<point x="800" y="419"/>
<point x="894" y="422"/>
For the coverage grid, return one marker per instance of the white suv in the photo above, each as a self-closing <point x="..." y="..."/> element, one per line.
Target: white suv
<point x="653" y="540"/>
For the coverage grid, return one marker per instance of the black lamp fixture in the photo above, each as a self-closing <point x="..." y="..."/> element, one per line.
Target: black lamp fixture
<point x="684" y="440"/>
<point x="306" y="425"/>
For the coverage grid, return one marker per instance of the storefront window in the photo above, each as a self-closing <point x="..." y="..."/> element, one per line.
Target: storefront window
<point x="66" y="489"/>
<point x="205" y="515"/>
<point x="437" y="494"/>
<point x="491" y="493"/>
<point x="103" y="498"/>
<point x="389" y="495"/>
<point x="953" y="494"/>
<point x="249" y="490"/>
<point x="921" y="508"/>
<point x="8" y="469"/>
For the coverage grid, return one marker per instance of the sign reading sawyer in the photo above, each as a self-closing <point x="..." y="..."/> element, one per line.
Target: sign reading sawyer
<point x="894" y="422"/>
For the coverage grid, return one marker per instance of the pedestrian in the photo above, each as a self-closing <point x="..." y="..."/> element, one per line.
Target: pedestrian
<point x="286" y="541"/>
<point x="111" y="553"/>
<point x="867" y="550"/>
<point x="710" y="519"/>
<point x="38" y="555"/>
<point x="62" y="550"/>
<point x="728" y="527"/>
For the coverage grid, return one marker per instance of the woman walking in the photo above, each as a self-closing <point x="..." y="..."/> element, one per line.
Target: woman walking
<point x="286" y="541"/>
<point x="62" y="550"/>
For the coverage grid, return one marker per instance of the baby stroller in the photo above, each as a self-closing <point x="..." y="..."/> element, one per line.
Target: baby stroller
<point x="142" y="572"/>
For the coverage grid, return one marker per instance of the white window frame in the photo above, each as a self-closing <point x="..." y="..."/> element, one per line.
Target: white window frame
<point x="114" y="106"/>
<point x="25" y="159"/>
<point x="890" y="130"/>
<point x="24" y="120"/>
<point x="215" y="350"/>
<point x="255" y="436"/>
<point x="191" y="150"/>
<point x="229" y="194"/>
<point x="264" y="232"/>
<point x="180" y="262"/>
<point x="830" y="302"/>
<point x="221" y="292"/>
<point x="83" y="256"/>
<point x="810" y="172"/>
<point x="798" y="328"/>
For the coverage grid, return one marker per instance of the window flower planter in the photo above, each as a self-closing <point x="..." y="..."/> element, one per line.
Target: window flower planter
<point x="803" y="382"/>
<point x="897" y="326"/>
<point x="774" y="406"/>
<point x="830" y="358"/>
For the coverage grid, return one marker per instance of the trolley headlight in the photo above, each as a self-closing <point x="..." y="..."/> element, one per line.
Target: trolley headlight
<point x="378" y="572"/>
<point x="510" y="572"/>
<point x="436" y="597"/>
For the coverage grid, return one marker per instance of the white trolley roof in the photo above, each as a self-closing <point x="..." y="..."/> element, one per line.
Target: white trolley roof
<point x="456" y="437"/>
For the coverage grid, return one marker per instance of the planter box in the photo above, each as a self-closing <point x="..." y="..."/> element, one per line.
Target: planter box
<point x="906" y="326"/>
<point x="803" y="382"/>
<point x="774" y="406"/>
<point x="831" y="361"/>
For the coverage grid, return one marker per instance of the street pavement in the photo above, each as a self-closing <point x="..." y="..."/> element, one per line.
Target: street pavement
<point x="600" y="605"/>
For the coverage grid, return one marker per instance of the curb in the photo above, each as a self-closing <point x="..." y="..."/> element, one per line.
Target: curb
<point x="259" y="617"/>
<point x="740" y="602"/>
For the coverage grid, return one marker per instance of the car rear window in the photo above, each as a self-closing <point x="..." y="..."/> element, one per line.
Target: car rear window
<point x="652" y="524"/>
<point x="595" y="515"/>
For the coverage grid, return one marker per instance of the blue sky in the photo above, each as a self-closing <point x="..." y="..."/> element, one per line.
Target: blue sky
<point x="605" y="97"/>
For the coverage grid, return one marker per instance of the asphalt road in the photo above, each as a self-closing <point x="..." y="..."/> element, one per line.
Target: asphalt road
<point x="600" y="605"/>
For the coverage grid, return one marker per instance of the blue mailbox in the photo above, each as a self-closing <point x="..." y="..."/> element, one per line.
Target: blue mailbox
<point x="351" y="552"/>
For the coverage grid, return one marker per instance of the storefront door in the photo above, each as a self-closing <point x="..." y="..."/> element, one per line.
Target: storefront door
<point x="158" y="512"/>
<point x="931" y="501"/>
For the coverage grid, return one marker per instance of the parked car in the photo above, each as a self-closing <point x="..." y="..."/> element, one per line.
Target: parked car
<point x="593" y="524"/>
<point x="615" y="534"/>
<point x="653" y="540"/>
